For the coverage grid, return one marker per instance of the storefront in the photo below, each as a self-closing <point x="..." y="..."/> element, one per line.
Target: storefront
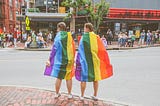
<point x="123" y="19"/>
<point x="134" y="19"/>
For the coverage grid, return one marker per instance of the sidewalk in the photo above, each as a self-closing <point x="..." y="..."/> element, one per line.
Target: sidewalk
<point x="114" y="46"/>
<point x="23" y="96"/>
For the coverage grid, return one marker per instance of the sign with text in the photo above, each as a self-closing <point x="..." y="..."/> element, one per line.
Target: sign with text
<point x="138" y="14"/>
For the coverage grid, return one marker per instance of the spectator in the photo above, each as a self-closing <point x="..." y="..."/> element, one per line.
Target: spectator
<point x="142" y="38"/>
<point x="28" y="42"/>
<point x="104" y="41"/>
<point x="109" y="37"/>
<point x="149" y="37"/>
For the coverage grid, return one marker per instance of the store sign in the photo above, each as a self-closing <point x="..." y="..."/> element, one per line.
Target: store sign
<point x="119" y="13"/>
<point x="62" y="9"/>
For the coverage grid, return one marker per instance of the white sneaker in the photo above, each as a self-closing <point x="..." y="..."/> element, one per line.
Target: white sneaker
<point x="81" y="98"/>
<point x="57" y="95"/>
<point x="94" y="98"/>
<point x="70" y="96"/>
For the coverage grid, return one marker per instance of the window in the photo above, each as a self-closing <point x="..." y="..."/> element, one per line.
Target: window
<point x="10" y="14"/>
<point x="10" y="2"/>
<point x="16" y="3"/>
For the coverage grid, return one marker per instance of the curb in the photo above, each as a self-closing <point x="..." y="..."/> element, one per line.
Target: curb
<point x="34" y="49"/>
<point x="111" y="48"/>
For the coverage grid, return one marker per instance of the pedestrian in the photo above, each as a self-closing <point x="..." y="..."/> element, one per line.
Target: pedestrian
<point x="28" y="41"/>
<point x="133" y="38"/>
<point x="92" y="62"/>
<point x="142" y="38"/>
<point x="15" y="37"/>
<point x="110" y="37"/>
<point x="149" y="36"/>
<point x="104" y="41"/>
<point x="61" y="61"/>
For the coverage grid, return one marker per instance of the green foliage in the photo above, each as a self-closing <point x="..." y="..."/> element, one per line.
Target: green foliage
<point x="76" y="5"/>
<point x="94" y="12"/>
<point x="97" y="13"/>
<point x="33" y="10"/>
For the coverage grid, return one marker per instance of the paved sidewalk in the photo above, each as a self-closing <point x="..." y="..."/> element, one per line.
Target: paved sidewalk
<point x="22" y="96"/>
<point x="114" y="46"/>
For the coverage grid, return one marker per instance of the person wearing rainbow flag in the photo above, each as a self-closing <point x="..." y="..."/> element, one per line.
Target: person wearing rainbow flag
<point x="61" y="60"/>
<point x="92" y="61"/>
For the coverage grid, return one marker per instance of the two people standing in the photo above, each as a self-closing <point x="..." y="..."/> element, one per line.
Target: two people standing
<point x="92" y="61"/>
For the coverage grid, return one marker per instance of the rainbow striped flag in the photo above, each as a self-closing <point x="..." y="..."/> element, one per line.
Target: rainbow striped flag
<point x="62" y="57"/>
<point x="92" y="62"/>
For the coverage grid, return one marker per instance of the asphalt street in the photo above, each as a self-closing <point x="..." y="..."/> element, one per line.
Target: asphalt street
<point x="136" y="78"/>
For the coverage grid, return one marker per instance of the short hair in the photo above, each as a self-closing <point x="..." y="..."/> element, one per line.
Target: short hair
<point x="89" y="26"/>
<point x="61" y="26"/>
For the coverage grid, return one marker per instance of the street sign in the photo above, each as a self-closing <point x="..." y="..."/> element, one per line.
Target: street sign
<point x="28" y="28"/>
<point x="27" y="23"/>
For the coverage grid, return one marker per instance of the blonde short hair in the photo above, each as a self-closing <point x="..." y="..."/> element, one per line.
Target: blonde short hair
<point x="61" y="26"/>
<point x="89" y="26"/>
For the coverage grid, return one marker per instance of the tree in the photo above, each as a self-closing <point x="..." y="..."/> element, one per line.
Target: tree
<point x="94" y="12"/>
<point x="97" y="12"/>
<point x="75" y="5"/>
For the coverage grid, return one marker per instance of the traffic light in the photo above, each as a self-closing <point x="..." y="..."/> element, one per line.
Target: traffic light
<point x="23" y="10"/>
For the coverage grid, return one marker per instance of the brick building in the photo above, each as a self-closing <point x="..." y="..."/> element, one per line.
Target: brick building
<point x="8" y="11"/>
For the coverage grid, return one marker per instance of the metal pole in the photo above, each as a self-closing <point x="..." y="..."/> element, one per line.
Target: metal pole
<point x="34" y="5"/>
<point x="46" y="6"/>
<point x="58" y="6"/>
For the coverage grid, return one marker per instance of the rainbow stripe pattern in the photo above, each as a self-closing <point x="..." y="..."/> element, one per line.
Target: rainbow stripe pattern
<point x="92" y="62"/>
<point x="62" y="57"/>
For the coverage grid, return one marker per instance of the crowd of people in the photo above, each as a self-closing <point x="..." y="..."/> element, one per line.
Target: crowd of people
<point x="8" y="39"/>
<point x="149" y="37"/>
<point x="40" y="40"/>
<point x="43" y="40"/>
<point x="145" y="38"/>
<point x="125" y="39"/>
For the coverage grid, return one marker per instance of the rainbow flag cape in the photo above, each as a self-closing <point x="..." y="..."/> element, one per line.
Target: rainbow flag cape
<point x="62" y="57"/>
<point x="92" y="62"/>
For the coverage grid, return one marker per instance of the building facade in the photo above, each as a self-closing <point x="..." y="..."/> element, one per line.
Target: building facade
<point x="133" y="15"/>
<point x="123" y="15"/>
<point x="45" y="14"/>
<point x="8" y="11"/>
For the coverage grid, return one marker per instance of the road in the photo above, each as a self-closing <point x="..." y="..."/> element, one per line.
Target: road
<point x="136" y="78"/>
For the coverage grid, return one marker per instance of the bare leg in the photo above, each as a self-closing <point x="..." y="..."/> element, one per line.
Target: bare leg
<point x="83" y="87"/>
<point x="69" y="85"/>
<point x="95" y="86"/>
<point x="58" y="85"/>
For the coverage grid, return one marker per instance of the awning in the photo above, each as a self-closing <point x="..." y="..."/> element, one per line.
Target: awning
<point x="47" y="19"/>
